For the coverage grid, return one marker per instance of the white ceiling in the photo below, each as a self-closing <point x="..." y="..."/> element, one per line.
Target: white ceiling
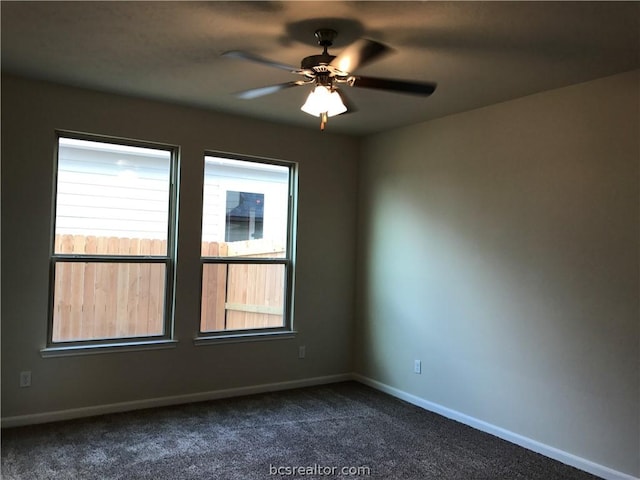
<point x="479" y="53"/>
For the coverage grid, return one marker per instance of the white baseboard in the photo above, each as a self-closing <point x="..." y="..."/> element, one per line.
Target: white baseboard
<point x="546" y="450"/>
<point x="55" y="416"/>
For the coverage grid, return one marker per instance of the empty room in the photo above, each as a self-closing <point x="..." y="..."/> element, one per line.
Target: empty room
<point x="341" y="239"/>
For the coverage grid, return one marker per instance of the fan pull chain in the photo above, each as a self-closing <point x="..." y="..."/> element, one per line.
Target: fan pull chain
<point x="323" y="120"/>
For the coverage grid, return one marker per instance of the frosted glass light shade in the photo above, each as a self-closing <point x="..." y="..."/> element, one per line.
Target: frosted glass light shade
<point x="322" y="100"/>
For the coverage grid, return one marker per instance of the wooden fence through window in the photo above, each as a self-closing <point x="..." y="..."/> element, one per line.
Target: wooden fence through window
<point x="98" y="300"/>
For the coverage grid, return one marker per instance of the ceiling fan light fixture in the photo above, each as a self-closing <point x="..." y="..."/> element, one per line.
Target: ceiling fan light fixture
<point x="325" y="71"/>
<point x="323" y="100"/>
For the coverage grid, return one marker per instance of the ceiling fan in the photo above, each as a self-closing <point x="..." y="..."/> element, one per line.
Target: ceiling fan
<point x="328" y="72"/>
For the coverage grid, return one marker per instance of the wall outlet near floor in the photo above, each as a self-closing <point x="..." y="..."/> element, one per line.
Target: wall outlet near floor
<point x="302" y="351"/>
<point x="417" y="366"/>
<point x="25" y="379"/>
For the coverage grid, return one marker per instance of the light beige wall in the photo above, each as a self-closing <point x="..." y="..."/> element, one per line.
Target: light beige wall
<point x="501" y="247"/>
<point x="31" y="111"/>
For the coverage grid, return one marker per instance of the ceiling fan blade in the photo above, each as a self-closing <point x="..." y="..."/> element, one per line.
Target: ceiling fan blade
<point x="261" y="60"/>
<point x="358" y="54"/>
<point x="400" y="86"/>
<point x="261" y="91"/>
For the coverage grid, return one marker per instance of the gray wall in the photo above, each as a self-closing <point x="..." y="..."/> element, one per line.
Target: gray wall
<point x="324" y="301"/>
<point x="500" y="247"/>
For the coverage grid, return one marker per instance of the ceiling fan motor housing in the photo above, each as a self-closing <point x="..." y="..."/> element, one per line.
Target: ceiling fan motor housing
<point x="312" y="62"/>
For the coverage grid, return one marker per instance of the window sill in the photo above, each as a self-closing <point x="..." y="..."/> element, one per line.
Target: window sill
<point x="75" y="350"/>
<point x="244" y="337"/>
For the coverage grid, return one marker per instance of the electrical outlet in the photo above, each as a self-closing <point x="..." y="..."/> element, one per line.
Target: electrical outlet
<point x="302" y="351"/>
<point x="417" y="366"/>
<point x="25" y="379"/>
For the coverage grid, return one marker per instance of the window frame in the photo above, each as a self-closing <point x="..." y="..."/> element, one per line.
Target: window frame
<point x="288" y="261"/>
<point x="166" y="339"/>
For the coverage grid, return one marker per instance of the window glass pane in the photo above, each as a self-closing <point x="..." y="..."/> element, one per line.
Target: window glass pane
<point x="245" y="208"/>
<point x="116" y="197"/>
<point x="95" y="300"/>
<point x="242" y="296"/>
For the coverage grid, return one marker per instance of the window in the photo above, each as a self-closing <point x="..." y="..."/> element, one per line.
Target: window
<point x="247" y="245"/>
<point x="113" y="247"/>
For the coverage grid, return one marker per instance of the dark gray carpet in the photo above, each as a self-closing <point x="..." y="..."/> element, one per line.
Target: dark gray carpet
<point x="324" y="428"/>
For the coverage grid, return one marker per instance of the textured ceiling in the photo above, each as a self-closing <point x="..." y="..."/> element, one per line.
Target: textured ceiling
<point x="479" y="53"/>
